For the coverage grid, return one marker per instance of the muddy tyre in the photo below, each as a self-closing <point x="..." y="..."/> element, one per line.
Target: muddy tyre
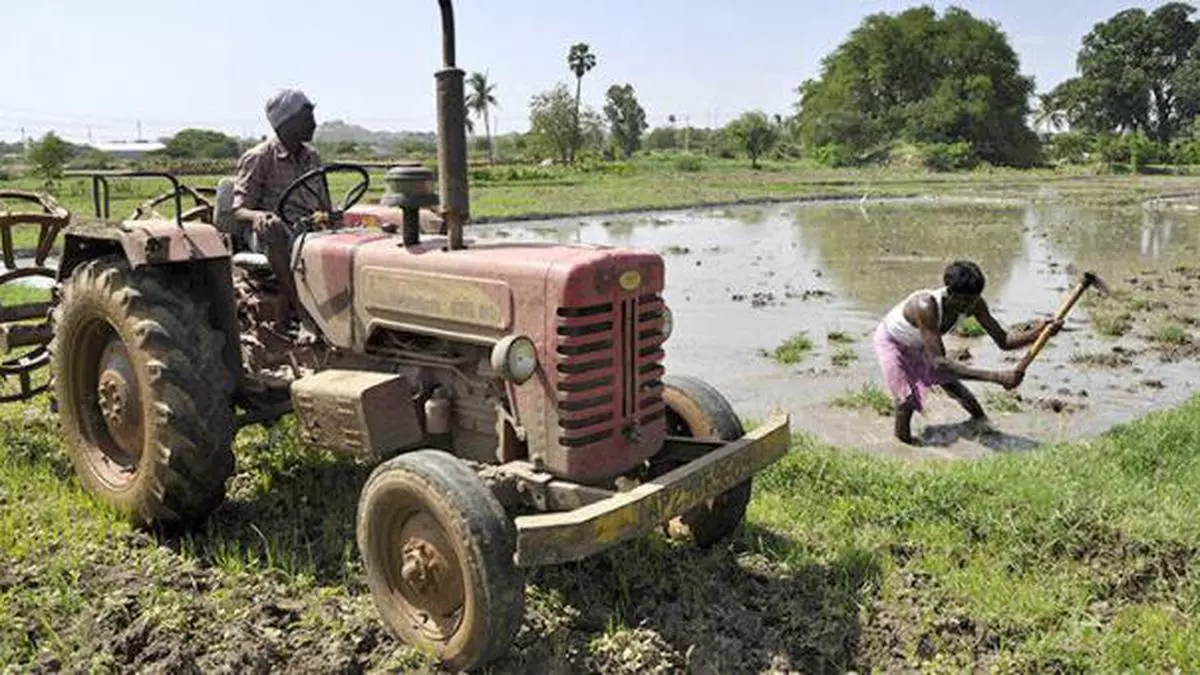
<point x="143" y="396"/>
<point x="438" y="549"/>
<point x="696" y="410"/>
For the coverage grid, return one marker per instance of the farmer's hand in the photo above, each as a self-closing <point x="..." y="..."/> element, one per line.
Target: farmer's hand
<point x="1054" y="325"/>
<point x="265" y="222"/>
<point x="1010" y="379"/>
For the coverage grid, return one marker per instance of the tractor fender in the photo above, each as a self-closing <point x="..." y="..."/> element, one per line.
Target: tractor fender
<point x="153" y="242"/>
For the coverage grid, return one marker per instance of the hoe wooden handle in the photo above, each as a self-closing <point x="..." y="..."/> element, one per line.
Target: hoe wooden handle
<point x="1044" y="336"/>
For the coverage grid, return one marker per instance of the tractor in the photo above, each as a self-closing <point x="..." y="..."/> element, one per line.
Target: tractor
<point x="510" y="397"/>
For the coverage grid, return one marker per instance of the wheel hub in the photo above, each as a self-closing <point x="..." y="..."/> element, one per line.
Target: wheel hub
<point x="430" y="575"/>
<point x="117" y="398"/>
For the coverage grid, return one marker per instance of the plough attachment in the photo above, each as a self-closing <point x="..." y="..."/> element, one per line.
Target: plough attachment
<point x="25" y="329"/>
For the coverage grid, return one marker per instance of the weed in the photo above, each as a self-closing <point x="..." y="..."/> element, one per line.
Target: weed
<point x="869" y="397"/>
<point x="839" y="337"/>
<point x="1112" y="323"/>
<point x="1004" y="401"/>
<point x="676" y="249"/>
<point x="793" y="350"/>
<point x="1103" y="359"/>
<point x="844" y="357"/>
<point x="1171" y="334"/>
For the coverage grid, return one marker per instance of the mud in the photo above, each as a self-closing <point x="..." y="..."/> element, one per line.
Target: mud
<point x="754" y="276"/>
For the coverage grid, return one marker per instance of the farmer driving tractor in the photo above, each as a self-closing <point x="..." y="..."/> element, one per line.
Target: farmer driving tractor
<point x="267" y="169"/>
<point x="908" y="344"/>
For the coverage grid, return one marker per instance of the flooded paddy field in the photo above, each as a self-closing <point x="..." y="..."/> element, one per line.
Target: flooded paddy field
<point x="775" y="306"/>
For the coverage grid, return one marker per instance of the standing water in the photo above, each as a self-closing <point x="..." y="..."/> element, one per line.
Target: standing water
<point x="741" y="281"/>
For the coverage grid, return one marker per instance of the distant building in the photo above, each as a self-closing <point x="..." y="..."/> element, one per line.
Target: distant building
<point x="122" y="149"/>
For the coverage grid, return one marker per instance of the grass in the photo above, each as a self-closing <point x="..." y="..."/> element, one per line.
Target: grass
<point x="793" y="350"/>
<point x="1004" y="401"/>
<point x="1171" y="334"/>
<point x="844" y="357"/>
<point x="1112" y="324"/>
<point x="1019" y="561"/>
<point x="847" y="562"/>
<point x="839" y="337"/>
<point x="869" y="397"/>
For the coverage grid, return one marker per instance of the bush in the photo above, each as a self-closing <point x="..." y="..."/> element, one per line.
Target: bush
<point x="689" y="163"/>
<point x="947" y="156"/>
<point x="1071" y="148"/>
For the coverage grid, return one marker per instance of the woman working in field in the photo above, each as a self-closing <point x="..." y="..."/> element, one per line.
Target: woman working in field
<point x="908" y="343"/>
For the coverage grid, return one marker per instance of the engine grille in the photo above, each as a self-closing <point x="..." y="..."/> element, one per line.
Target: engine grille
<point x="609" y="366"/>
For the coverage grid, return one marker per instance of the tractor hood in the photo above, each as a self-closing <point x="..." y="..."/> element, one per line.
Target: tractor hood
<point x="355" y="283"/>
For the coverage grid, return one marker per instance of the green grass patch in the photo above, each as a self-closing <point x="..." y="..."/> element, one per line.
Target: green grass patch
<point x="844" y="356"/>
<point x="839" y="337"/>
<point x="869" y="397"/>
<point x="1004" y="401"/>
<point x="1171" y="334"/>
<point x="1112" y="323"/>
<point x="1075" y="558"/>
<point x="793" y="350"/>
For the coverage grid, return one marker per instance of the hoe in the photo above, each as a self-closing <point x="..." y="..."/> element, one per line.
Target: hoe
<point x="511" y="398"/>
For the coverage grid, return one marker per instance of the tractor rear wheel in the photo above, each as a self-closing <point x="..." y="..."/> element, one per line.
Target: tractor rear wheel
<point x="438" y="551"/>
<point x="696" y="410"/>
<point x="143" y="396"/>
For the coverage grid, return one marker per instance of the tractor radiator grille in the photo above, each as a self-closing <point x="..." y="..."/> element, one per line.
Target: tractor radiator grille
<point x="609" y="365"/>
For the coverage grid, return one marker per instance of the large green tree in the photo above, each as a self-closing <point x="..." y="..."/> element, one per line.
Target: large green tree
<point x="922" y="78"/>
<point x="557" y="128"/>
<point x="202" y="144"/>
<point x="626" y="118"/>
<point x="1139" y="71"/>
<point x="49" y="155"/>
<point x="754" y="133"/>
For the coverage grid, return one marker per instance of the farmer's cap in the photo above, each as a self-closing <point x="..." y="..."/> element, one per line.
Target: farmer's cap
<point x="285" y="104"/>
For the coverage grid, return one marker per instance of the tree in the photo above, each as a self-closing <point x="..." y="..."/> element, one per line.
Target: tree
<point x="479" y="101"/>
<point x="918" y="77"/>
<point x="49" y="155"/>
<point x="201" y="144"/>
<point x="754" y="133"/>
<point x="626" y="118"/>
<point x="554" y="125"/>
<point x="580" y="60"/>
<point x="1137" y="73"/>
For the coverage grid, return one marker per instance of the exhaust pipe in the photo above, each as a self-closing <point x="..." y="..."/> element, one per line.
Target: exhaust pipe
<point x="452" y="136"/>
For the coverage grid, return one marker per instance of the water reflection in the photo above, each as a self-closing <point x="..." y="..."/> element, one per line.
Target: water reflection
<point x="878" y="253"/>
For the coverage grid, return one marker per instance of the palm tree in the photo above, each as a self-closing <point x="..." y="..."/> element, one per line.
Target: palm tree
<point x="480" y="101"/>
<point x="580" y="59"/>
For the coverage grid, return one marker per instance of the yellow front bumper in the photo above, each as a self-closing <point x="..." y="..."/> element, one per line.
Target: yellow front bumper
<point x="552" y="538"/>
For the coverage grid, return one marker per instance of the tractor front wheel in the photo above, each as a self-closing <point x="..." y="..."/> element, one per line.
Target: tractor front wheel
<point x="438" y="548"/>
<point x="143" y="396"/>
<point x="696" y="410"/>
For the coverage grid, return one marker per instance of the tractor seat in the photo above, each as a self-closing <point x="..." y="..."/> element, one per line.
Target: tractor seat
<point x="246" y="253"/>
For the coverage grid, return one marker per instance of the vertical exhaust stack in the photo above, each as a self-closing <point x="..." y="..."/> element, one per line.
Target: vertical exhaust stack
<point x="452" y="135"/>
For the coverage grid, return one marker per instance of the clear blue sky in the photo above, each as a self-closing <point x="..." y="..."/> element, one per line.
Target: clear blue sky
<point x="72" y="65"/>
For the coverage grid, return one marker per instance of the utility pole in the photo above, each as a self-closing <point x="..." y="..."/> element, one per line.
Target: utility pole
<point x="139" y="135"/>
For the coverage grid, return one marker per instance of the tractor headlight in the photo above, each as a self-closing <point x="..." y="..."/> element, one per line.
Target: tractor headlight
<point x="515" y="358"/>
<point x="668" y="322"/>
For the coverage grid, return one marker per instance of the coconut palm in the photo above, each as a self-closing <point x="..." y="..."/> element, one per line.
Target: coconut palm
<point x="480" y="100"/>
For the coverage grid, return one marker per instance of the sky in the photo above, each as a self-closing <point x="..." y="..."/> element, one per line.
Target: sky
<point x="80" y="66"/>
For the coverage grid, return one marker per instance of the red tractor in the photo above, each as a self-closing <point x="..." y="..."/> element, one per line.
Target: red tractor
<point x="512" y="395"/>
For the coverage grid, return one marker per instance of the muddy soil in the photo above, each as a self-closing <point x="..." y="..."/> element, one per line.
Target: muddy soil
<point x="743" y="280"/>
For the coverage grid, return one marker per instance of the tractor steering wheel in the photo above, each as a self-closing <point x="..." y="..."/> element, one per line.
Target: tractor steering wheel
<point x="285" y="208"/>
